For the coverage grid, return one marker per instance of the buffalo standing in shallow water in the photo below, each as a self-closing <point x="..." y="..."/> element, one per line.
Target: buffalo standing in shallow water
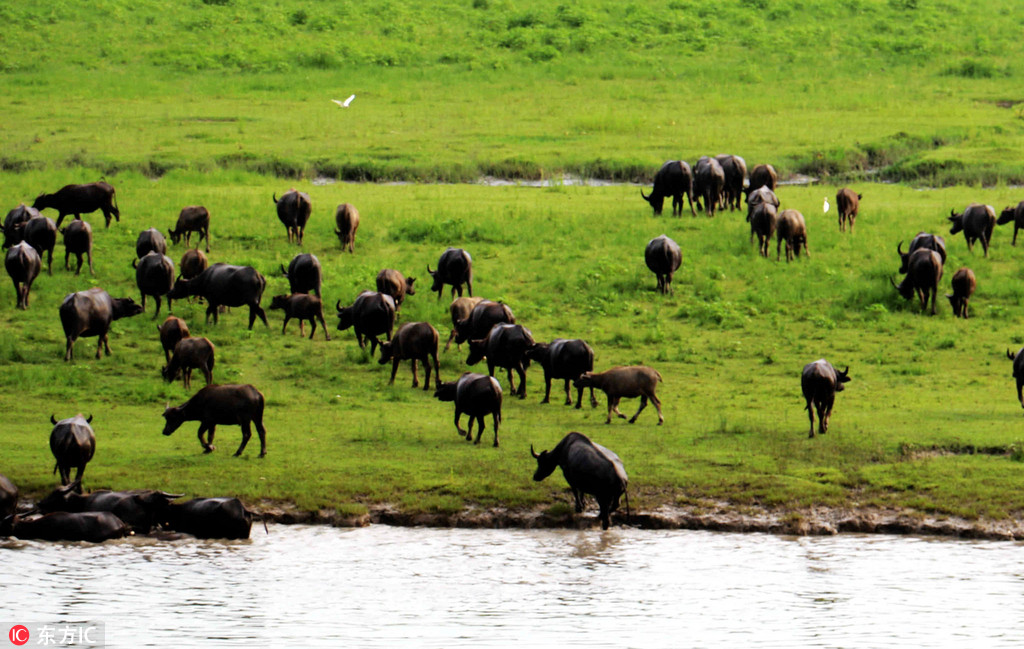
<point x="81" y="199"/>
<point x="228" y="405"/>
<point x="141" y="509"/>
<point x="820" y="382"/>
<point x="93" y="527"/>
<point x="209" y="518"/>
<point x="589" y="468"/>
<point x="89" y="313"/>
<point x="674" y="179"/>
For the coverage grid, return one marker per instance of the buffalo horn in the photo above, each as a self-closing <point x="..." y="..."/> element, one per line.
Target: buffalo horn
<point x="283" y="271"/>
<point x="533" y="452"/>
<point x="1010" y="354"/>
<point x="53" y="420"/>
<point x="135" y="263"/>
<point x="338" y="305"/>
<point x="899" y="247"/>
<point x="274" y="195"/>
<point x="646" y="198"/>
<point x="429" y="271"/>
<point x="88" y="419"/>
<point x="893" y="284"/>
<point x="846" y="371"/>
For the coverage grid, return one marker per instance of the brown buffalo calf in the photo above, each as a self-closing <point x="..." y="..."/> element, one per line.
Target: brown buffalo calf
<point x="190" y="353"/>
<point x="301" y="306"/>
<point x="625" y="381"/>
<point x="963" y="288"/>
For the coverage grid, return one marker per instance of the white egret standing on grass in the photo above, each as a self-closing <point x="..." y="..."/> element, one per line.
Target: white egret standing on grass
<point x="826" y="205"/>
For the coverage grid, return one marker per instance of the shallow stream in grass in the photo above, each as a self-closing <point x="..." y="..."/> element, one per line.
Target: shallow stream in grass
<point x="383" y="586"/>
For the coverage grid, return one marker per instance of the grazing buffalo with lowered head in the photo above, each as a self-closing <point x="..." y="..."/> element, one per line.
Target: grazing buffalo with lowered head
<point x="674" y="179"/>
<point x="227" y="285"/>
<point x="41" y="234"/>
<point x="504" y="346"/>
<point x="371" y="315"/>
<point x="415" y="341"/>
<point x="151" y="240"/>
<point x="663" y="258"/>
<point x="567" y="360"/>
<point x="20" y="214"/>
<point x="459" y="309"/>
<point x="964" y="284"/>
<point x="304" y="274"/>
<point x="395" y="284"/>
<point x="735" y="169"/>
<point x="759" y="196"/>
<point x="924" y="271"/>
<point x="478" y="323"/>
<point x="294" y="209"/>
<point x="73" y="444"/>
<point x="194" y="218"/>
<point x="763" y="175"/>
<point x="228" y="405"/>
<point x="8" y="504"/>
<point x="193" y="262"/>
<point x="1018" y="372"/>
<point x="81" y="199"/>
<point x="94" y="527"/>
<point x="1014" y="215"/>
<point x="791" y="228"/>
<point x="89" y="313"/>
<point x="141" y="509"/>
<point x="708" y="182"/>
<point x="763" y="219"/>
<point x="454" y="267"/>
<point x="977" y="221"/>
<point x="847" y="205"/>
<point x="477" y="395"/>
<point x="589" y="468"/>
<point x="23" y="265"/>
<point x="630" y="382"/>
<point x="209" y="518"/>
<point x="820" y="382"/>
<point x="154" y="275"/>
<point x="302" y="307"/>
<point x="190" y="353"/>
<point x="921" y="240"/>
<point x="346" y="221"/>
<point x="78" y="242"/>
<point x="171" y="331"/>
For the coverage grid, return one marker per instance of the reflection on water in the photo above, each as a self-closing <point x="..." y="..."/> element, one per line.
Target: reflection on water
<point x="383" y="586"/>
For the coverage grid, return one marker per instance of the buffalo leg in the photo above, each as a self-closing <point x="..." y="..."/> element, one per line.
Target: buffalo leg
<point x="605" y="515"/>
<point x="578" y="500"/>
<point x="415" y="376"/>
<point x="1020" y="391"/>
<point x="810" y="414"/>
<point x="495" y="419"/>
<point x="458" y="416"/>
<point x="262" y="432"/>
<point x="99" y="347"/>
<point x="284" y="327"/>
<point x="67" y="256"/>
<point x="657" y="404"/>
<point x="394" y="369"/>
<point x="211" y="309"/>
<point x="208" y="446"/>
<point x="615" y="408"/>
<point x="246" y="434"/>
<point x="186" y="377"/>
<point x="255" y="310"/>
<point x="69" y="346"/>
<point x="302" y="328"/>
<point x="17" y="292"/>
<point x="643" y="404"/>
<point x="208" y="373"/>
<point x="437" y="370"/>
<point x="323" y="324"/>
<point x="479" y="428"/>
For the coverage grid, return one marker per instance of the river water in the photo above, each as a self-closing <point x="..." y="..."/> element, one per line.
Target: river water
<point x="380" y="586"/>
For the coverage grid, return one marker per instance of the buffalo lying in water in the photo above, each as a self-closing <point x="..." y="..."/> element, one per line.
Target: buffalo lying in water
<point x="589" y="468"/>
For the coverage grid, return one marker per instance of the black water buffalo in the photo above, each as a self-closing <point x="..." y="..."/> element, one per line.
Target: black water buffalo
<point x="629" y="382"/>
<point x="792" y="229"/>
<point x="1018" y="372"/>
<point x="94" y="527"/>
<point x="79" y="200"/>
<point x="73" y="444"/>
<point x="708" y="181"/>
<point x="567" y="360"/>
<point x="395" y="284"/>
<point x="89" y="313"/>
<point x="964" y="284"/>
<point x="454" y="267"/>
<point x="8" y="504"/>
<point x="847" y="206"/>
<point x="304" y="274"/>
<point x="923" y="276"/>
<point x="674" y="179"/>
<point x="820" y="382"/>
<point x="763" y="219"/>
<point x="171" y="331"/>
<point x="977" y="221"/>
<point x="758" y="196"/>
<point x="371" y="315"/>
<point x="193" y="262"/>
<point x="735" y="169"/>
<point x="763" y="175"/>
<point x="346" y="220"/>
<point x="154" y="275"/>
<point x="921" y="240"/>
<point x="227" y="405"/>
<point x="209" y="518"/>
<point x="23" y="265"/>
<point x="20" y="214"/>
<point x="151" y="240"/>
<point x="227" y="285"/>
<point x="190" y="353"/>
<point x="663" y="258"/>
<point x="504" y="346"/>
<point x="459" y="309"/>
<point x="302" y="307"/>
<point x="589" y="468"/>
<point x="194" y="218"/>
<point x="415" y="341"/>
<point x="141" y="509"/>
<point x="1014" y="215"/>
<point x="78" y="242"/>
<point x="294" y="209"/>
<point x="41" y="234"/>
<point x="484" y="315"/>
<point x="477" y="395"/>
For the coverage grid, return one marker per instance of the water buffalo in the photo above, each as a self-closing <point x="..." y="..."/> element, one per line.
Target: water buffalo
<point x="459" y="309"/>
<point x="151" y="240"/>
<point x="395" y="284"/>
<point x="193" y="262"/>
<point x="346" y="219"/>
<point x="23" y="265"/>
<point x="567" y="360"/>
<point x="41" y="234"/>
<point x="674" y="179"/>
<point x="763" y="175"/>
<point x="454" y="267"/>
<point x="78" y="242"/>
<point x="758" y="196"/>
<point x="141" y="509"/>
<point x="190" y="353"/>
<point x="294" y="209"/>
<point x="154" y="275"/>
<point x="847" y="205"/>
<point x="371" y="315"/>
<point x="484" y="315"/>
<point x="89" y="313"/>
<point x="791" y="228"/>
<point x="921" y="240"/>
<point x="415" y="341"/>
<point x="1015" y="215"/>
<point x="977" y="221"/>
<point x="81" y="199"/>
<point x="663" y="258"/>
<point x="209" y="518"/>
<point x="8" y="504"/>
<point x="763" y="219"/>
<point x="171" y="331"/>
<point x="963" y="288"/>
<point x="304" y="274"/>
<point x="630" y="382"/>
<point x="228" y="405"/>
<point x="923" y="276"/>
<point x="1018" y="372"/>
<point x="227" y="285"/>
<point x="477" y="395"/>
<point x="94" y="527"/>
<point x="73" y="444"/>
<point x="194" y="218"/>
<point x="302" y="307"/>
<point x="20" y="214"/>
<point x="735" y="169"/>
<point x="504" y="346"/>
<point x="820" y="382"/>
<point x="708" y="181"/>
<point x="589" y="468"/>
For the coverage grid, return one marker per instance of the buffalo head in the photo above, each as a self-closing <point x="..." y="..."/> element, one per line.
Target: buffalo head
<point x="444" y="391"/>
<point x="1006" y="216"/>
<point x="957" y="220"/>
<point x="546" y="464"/>
<point x="841" y="378"/>
<point x="477" y="351"/>
<point x="656" y="201"/>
